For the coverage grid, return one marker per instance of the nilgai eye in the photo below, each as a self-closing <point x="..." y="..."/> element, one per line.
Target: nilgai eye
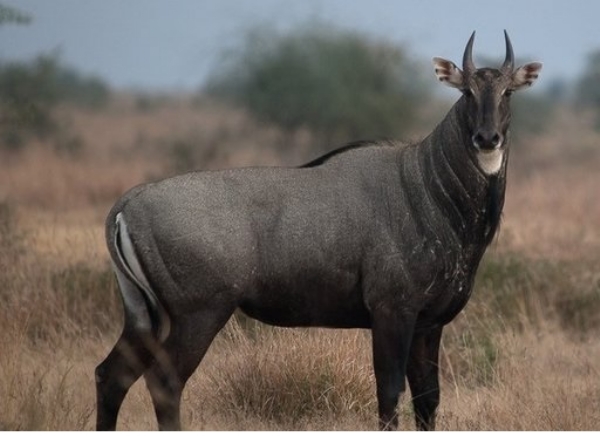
<point x="507" y="92"/>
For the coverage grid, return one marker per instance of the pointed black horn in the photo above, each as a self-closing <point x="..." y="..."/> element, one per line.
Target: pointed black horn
<point x="468" y="65"/>
<point x="509" y="61"/>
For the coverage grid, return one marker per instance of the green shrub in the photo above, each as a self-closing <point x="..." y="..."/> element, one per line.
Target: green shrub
<point x="532" y="114"/>
<point x="471" y="352"/>
<point x="578" y="309"/>
<point x="514" y="288"/>
<point x="30" y="92"/>
<point x="339" y="84"/>
<point x="188" y="152"/>
<point x="27" y="97"/>
<point x="82" y="90"/>
<point x="523" y="292"/>
<point x="9" y="14"/>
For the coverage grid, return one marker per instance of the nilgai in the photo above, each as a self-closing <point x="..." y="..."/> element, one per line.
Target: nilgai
<point x="376" y="235"/>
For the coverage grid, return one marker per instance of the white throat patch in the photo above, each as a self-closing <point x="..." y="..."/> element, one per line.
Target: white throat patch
<point x="490" y="161"/>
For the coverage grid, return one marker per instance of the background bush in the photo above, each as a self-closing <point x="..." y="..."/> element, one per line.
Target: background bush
<point x="30" y="93"/>
<point x="339" y="84"/>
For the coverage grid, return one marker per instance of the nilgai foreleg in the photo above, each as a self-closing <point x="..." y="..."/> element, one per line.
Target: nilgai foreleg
<point x="423" y="378"/>
<point x="392" y="335"/>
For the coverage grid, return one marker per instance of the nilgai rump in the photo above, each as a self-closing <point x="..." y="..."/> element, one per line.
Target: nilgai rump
<point x="377" y="235"/>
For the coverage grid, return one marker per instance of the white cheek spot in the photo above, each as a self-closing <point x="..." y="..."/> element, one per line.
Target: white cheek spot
<point x="490" y="161"/>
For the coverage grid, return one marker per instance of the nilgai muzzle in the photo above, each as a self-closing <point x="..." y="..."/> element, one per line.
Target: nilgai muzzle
<point x="376" y="235"/>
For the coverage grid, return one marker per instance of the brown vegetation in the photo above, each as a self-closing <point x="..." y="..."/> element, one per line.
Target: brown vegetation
<point x="522" y="356"/>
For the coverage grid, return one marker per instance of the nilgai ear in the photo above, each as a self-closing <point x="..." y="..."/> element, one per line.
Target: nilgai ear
<point x="448" y="73"/>
<point x="525" y="76"/>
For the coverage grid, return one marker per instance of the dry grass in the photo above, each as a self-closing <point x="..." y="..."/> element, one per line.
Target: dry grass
<point x="552" y="208"/>
<point x="543" y="381"/>
<point x="523" y="356"/>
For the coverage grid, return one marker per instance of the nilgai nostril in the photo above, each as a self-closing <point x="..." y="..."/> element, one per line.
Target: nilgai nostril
<point x="377" y="235"/>
<point x="487" y="140"/>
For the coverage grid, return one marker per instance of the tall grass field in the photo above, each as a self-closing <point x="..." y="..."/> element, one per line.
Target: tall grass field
<point x="523" y="355"/>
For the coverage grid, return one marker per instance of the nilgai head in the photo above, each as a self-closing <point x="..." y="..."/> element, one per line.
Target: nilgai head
<point x="486" y="95"/>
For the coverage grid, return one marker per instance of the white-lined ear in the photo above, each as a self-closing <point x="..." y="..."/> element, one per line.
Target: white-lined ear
<point x="448" y="73"/>
<point x="525" y="76"/>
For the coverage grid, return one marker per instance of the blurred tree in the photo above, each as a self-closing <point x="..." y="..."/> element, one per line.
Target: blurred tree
<point x="83" y="90"/>
<point x="587" y="90"/>
<point x="8" y="14"/>
<point x="27" y="97"/>
<point x="532" y="113"/>
<point x="558" y="90"/>
<point x="30" y="91"/>
<point x="339" y="84"/>
<point x="588" y="85"/>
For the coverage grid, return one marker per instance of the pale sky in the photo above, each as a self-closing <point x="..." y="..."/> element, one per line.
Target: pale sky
<point x="173" y="44"/>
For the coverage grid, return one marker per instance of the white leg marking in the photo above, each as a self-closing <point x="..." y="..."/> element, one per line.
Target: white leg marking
<point x="133" y="301"/>
<point x="129" y="256"/>
<point x="130" y="261"/>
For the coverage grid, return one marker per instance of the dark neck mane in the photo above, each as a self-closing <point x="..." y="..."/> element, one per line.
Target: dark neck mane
<point x="461" y="185"/>
<point x="327" y="156"/>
